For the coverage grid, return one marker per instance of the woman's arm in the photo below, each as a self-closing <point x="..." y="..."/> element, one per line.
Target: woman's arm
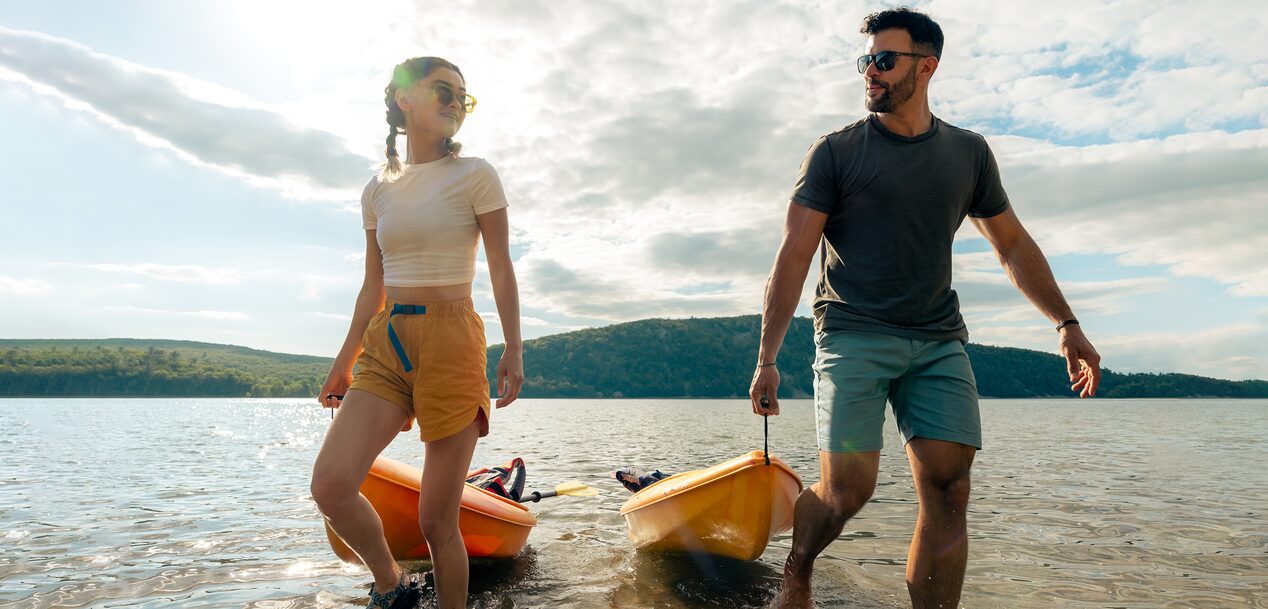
<point x="369" y="302"/>
<point x="494" y="228"/>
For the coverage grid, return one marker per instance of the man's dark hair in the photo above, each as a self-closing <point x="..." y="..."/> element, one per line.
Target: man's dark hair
<point x="923" y="30"/>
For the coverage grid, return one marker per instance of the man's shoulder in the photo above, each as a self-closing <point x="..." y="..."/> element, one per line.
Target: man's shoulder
<point x="842" y="139"/>
<point x="964" y="136"/>
<point x="846" y="133"/>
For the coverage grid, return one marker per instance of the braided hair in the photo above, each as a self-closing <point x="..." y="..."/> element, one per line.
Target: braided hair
<point x="404" y="75"/>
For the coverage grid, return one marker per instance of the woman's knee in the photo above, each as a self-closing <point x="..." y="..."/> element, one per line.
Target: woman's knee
<point x="439" y="525"/>
<point x="330" y="489"/>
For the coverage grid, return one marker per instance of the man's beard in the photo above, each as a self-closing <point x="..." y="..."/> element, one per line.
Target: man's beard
<point x="895" y="95"/>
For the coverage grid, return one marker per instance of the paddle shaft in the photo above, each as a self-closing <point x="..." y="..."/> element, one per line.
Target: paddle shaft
<point x="536" y="496"/>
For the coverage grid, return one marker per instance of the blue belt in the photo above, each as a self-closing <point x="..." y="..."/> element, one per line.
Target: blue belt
<point x="402" y="309"/>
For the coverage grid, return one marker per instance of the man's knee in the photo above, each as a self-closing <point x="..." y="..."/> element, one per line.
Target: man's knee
<point x="940" y="470"/>
<point x="845" y="498"/>
<point x="944" y="491"/>
<point x="848" y="482"/>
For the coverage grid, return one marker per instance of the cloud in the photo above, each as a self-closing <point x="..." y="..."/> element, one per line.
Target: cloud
<point x="1227" y="351"/>
<point x="1001" y="302"/>
<point x="214" y="315"/>
<point x="166" y="272"/>
<point x="551" y="285"/>
<point x="527" y="321"/>
<point x="639" y="168"/>
<point x="1233" y="351"/>
<point x="23" y="287"/>
<point x="648" y="148"/>
<point x="1111" y="72"/>
<point x="1192" y="203"/>
<point x="714" y="254"/>
<point x="201" y="122"/>
<point x="679" y="170"/>
<point x="1189" y="204"/>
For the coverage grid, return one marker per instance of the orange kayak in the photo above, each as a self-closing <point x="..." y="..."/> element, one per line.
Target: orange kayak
<point x="492" y="526"/>
<point x="732" y="509"/>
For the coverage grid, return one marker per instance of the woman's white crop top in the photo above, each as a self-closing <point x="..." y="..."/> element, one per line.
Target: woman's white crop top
<point x="425" y="220"/>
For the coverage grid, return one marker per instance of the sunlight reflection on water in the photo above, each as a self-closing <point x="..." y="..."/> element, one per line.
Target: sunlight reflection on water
<point x="200" y="502"/>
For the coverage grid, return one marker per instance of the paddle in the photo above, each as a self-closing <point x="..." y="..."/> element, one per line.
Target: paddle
<point x="571" y="489"/>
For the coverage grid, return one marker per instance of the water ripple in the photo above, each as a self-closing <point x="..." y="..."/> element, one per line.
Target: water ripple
<point x="1127" y="504"/>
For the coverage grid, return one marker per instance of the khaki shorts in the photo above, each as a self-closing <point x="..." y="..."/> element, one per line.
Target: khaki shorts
<point x="446" y="387"/>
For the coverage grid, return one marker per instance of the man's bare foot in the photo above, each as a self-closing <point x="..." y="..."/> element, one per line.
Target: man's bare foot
<point x="783" y="604"/>
<point x="795" y="595"/>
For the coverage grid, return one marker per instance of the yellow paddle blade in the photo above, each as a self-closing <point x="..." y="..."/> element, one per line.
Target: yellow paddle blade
<point x="575" y="489"/>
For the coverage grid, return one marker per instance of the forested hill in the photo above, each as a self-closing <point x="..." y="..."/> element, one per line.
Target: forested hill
<point x="139" y="367"/>
<point x="704" y="358"/>
<point x="715" y="358"/>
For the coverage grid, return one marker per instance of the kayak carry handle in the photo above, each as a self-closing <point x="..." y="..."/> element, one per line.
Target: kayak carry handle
<point x="766" y="430"/>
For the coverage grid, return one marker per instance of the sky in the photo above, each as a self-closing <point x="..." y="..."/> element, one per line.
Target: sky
<point x="193" y="170"/>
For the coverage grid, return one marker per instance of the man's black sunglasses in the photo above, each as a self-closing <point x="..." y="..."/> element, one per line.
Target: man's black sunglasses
<point x="884" y="60"/>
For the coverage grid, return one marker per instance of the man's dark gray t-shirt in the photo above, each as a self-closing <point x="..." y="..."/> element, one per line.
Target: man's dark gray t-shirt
<point x="894" y="204"/>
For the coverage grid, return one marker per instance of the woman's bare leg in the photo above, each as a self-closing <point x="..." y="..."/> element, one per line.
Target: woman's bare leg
<point x="445" y="469"/>
<point x="365" y="425"/>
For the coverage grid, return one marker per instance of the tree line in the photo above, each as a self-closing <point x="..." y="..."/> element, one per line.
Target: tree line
<point x="151" y="371"/>
<point x="654" y="358"/>
<point x="714" y="358"/>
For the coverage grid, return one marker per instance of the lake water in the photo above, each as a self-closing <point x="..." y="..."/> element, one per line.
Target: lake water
<point x="204" y="503"/>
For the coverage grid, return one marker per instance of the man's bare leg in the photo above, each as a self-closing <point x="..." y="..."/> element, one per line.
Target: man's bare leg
<point x="940" y="546"/>
<point x="846" y="482"/>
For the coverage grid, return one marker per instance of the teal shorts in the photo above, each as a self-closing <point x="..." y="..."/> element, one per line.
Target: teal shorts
<point x="930" y="385"/>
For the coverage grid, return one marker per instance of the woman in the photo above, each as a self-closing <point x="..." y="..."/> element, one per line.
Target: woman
<point x="417" y="343"/>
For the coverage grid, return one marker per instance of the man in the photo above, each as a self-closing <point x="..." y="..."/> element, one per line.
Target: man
<point x="882" y="200"/>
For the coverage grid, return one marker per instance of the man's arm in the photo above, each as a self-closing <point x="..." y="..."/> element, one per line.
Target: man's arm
<point x="803" y="229"/>
<point x="1029" y="271"/>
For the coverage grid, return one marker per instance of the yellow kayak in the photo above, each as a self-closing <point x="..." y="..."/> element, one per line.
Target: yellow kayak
<point x="732" y="509"/>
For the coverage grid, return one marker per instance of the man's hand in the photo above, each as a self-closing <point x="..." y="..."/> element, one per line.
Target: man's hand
<point x="803" y="230"/>
<point x="1082" y="361"/>
<point x="765" y="385"/>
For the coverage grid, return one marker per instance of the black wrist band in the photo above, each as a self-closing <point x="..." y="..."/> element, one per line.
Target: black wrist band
<point x="765" y="365"/>
<point x="1069" y="322"/>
